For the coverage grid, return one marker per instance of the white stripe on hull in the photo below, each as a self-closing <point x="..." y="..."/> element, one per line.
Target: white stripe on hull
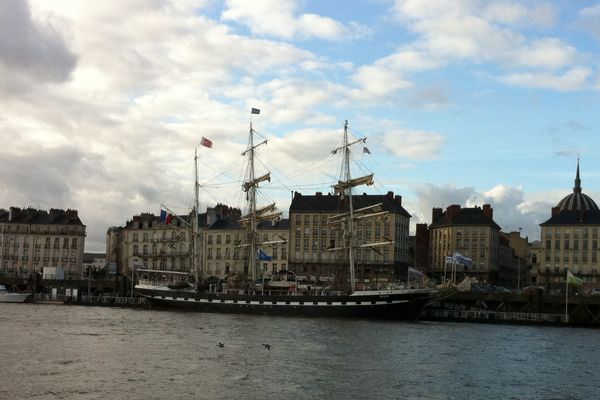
<point x="278" y="303"/>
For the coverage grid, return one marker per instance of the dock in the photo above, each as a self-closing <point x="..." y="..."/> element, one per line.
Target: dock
<point x="514" y="308"/>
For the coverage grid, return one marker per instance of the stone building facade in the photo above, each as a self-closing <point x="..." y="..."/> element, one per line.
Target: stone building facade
<point x="312" y="238"/>
<point x="569" y="240"/>
<point x="471" y="232"/>
<point x="50" y="243"/>
<point x="226" y="253"/>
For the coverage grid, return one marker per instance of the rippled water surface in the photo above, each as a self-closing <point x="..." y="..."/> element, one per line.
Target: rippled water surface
<point x="73" y="352"/>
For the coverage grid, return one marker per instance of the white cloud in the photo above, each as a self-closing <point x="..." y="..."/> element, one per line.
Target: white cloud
<point x="146" y="87"/>
<point x="279" y="18"/>
<point x="415" y="145"/>
<point x="431" y="196"/>
<point x="575" y="78"/>
<point x="387" y="75"/>
<point x="483" y="32"/>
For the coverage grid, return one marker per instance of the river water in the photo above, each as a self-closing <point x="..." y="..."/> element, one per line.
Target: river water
<point x="75" y="352"/>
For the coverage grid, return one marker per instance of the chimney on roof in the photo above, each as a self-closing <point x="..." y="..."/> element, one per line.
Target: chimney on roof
<point x="390" y="195"/>
<point x="436" y="213"/>
<point x="54" y="214"/>
<point x="453" y="211"/>
<point x="319" y="194"/>
<point x="71" y="214"/>
<point x="488" y="211"/>
<point x="297" y="195"/>
<point x="398" y="199"/>
<point x="13" y="213"/>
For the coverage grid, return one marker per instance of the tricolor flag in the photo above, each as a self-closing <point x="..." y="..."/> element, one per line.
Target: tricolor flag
<point x="206" y="142"/>
<point x="165" y="217"/>
<point x="573" y="280"/>
<point x="255" y="111"/>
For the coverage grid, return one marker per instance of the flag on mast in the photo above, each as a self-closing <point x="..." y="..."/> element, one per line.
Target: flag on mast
<point x="165" y="217"/>
<point x="255" y="111"/>
<point x="263" y="256"/>
<point x="206" y="142"/>
<point x="573" y="280"/>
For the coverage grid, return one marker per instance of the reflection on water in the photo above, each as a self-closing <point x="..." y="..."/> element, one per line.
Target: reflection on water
<point x="71" y="352"/>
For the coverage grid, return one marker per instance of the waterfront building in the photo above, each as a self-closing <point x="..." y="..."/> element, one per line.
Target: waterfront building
<point x="41" y="242"/>
<point x="471" y="232"/>
<point x="570" y="241"/>
<point x="93" y="263"/>
<point x="313" y="241"/>
<point x="514" y="268"/>
<point x="150" y="243"/>
<point x="226" y="252"/>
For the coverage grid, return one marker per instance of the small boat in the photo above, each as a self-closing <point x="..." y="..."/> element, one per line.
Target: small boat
<point x="8" y="297"/>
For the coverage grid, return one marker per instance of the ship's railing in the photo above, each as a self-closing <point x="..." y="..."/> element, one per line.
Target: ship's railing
<point x="113" y="300"/>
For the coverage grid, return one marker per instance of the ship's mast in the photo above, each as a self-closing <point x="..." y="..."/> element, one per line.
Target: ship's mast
<point x="252" y="199"/>
<point x="347" y="178"/>
<point x="195" y="247"/>
<point x="344" y="189"/>
<point x="254" y="216"/>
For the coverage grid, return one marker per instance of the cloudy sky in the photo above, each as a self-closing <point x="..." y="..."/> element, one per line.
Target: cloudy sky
<point x="462" y="102"/>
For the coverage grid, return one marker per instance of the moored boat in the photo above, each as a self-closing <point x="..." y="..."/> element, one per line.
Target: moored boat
<point x="9" y="297"/>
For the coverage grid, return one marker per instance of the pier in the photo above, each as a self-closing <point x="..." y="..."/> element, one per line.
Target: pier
<point x="514" y="308"/>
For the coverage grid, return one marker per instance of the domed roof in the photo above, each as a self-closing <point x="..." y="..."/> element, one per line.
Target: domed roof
<point x="577" y="200"/>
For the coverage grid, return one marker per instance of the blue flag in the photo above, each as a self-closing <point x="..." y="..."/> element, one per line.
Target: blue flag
<point x="263" y="256"/>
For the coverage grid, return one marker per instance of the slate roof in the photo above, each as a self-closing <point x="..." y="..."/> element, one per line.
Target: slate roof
<point x="465" y="217"/>
<point x="329" y="203"/>
<point x="574" y="217"/>
<point x="33" y="216"/>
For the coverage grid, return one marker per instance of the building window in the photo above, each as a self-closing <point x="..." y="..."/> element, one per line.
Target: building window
<point x="135" y="249"/>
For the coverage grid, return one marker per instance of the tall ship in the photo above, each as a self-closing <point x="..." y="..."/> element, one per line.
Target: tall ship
<point x="283" y="294"/>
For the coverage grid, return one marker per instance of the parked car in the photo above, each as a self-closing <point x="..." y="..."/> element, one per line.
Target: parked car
<point x="595" y="292"/>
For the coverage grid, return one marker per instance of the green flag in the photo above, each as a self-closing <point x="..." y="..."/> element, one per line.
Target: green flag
<point x="573" y="280"/>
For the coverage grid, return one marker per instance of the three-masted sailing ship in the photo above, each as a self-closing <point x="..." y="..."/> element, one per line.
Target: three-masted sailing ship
<point x="397" y="303"/>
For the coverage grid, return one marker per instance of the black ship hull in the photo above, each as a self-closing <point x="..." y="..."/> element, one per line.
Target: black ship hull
<point x="406" y="304"/>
